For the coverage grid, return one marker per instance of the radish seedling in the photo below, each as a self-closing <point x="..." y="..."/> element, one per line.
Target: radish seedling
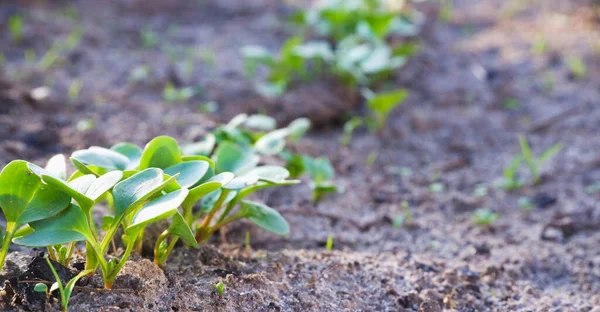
<point x="15" y="25"/>
<point x="484" y="217"/>
<point x="66" y="290"/>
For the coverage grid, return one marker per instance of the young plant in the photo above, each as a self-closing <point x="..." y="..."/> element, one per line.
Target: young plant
<point x="484" y="217"/>
<point x="329" y="244"/>
<point x="405" y="218"/>
<point x="171" y="94"/>
<point x="577" y="67"/>
<point x="220" y="287"/>
<point x="382" y="105"/>
<point x="535" y="164"/>
<point x="349" y="128"/>
<point x="15" y="25"/>
<point x="149" y="38"/>
<point x="66" y="290"/>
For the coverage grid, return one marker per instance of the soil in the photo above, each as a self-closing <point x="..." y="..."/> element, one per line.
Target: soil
<point x="475" y="85"/>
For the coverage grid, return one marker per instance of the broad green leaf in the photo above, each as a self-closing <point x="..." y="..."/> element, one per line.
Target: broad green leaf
<point x="210" y="162"/>
<point x="298" y="128"/>
<point x="70" y="225"/>
<point x="241" y="182"/>
<point x="158" y="209"/>
<point x="190" y="172"/>
<point x="82" y="184"/>
<point x="131" y="193"/>
<point x="319" y="169"/>
<point x="272" y="143"/>
<point x="265" y="217"/>
<point x="233" y="158"/>
<point x="57" y="165"/>
<point x="103" y="184"/>
<point x="102" y="158"/>
<point x="260" y="122"/>
<point x="46" y="203"/>
<point x="71" y="189"/>
<point x="202" y="148"/>
<point x="201" y="190"/>
<point x="162" y="152"/>
<point x="17" y="188"/>
<point x="180" y="228"/>
<point x="83" y="169"/>
<point x="131" y="151"/>
<point x="316" y="49"/>
<point x="271" y="174"/>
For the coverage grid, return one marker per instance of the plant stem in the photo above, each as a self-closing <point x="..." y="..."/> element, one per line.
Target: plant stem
<point x="108" y="280"/>
<point x="159" y="240"/>
<point x="11" y="227"/>
<point x="206" y="222"/>
<point x="219" y="225"/>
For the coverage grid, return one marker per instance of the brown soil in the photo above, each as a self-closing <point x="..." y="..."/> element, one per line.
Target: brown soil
<point x="455" y="129"/>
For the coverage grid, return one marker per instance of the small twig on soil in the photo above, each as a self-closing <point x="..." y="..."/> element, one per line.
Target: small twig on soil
<point x="544" y="124"/>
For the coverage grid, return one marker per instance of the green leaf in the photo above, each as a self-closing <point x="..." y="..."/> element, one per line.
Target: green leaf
<point x="202" y="148"/>
<point x="384" y="103"/>
<point x="241" y="182"/>
<point x="17" y="188"/>
<point x="102" y="158"/>
<point x="70" y="188"/>
<point x="40" y="287"/>
<point x="233" y="158"/>
<point x="189" y="172"/>
<point x="70" y="225"/>
<point x="272" y="143"/>
<point x="162" y="152"/>
<point x="103" y="184"/>
<point x="298" y="128"/>
<point x="156" y="210"/>
<point x="129" y="150"/>
<point x="319" y="169"/>
<point x="236" y="121"/>
<point x="551" y="152"/>
<point x="260" y="122"/>
<point x="265" y="217"/>
<point x="210" y="162"/>
<point x="526" y="151"/>
<point x="57" y="166"/>
<point x="271" y="174"/>
<point x="46" y="203"/>
<point x="210" y="186"/>
<point x="83" y="169"/>
<point x="131" y="193"/>
<point x="180" y="228"/>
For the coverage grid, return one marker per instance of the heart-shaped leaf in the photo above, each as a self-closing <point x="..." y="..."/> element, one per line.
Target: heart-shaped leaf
<point x="190" y="172"/>
<point x="162" y="152"/>
<point x="158" y="209"/>
<point x="102" y="158"/>
<point x="272" y="143"/>
<point x="265" y="217"/>
<point x="70" y="225"/>
<point x="131" y="151"/>
<point x="233" y="158"/>
<point x="57" y="165"/>
<point x="180" y="228"/>
<point x="132" y="192"/>
<point x="17" y="187"/>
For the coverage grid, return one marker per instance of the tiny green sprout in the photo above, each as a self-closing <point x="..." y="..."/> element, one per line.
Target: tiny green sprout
<point x="140" y="73"/>
<point x="247" y="247"/>
<point x="209" y="107"/>
<point x="349" y="128"/>
<point x="576" y="66"/>
<point x="539" y="45"/>
<point x="149" y="38"/>
<point x="382" y="104"/>
<point x="484" y="217"/>
<point x="85" y="125"/>
<point x="74" y="90"/>
<point x="511" y="104"/>
<point x="446" y="11"/>
<point x="525" y="203"/>
<point x="371" y="159"/>
<point x="15" y="26"/>
<point x="404" y="218"/>
<point x="42" y="288"/>
<point x="535" y="164"/>
<point x="321" y="172"/>
<point x="66" y="290"/>
<point x="329" y="244"/>
<point x="481" y="190"/>
<point x="436" y="187"/>
<point x="220" y="287"/>
<point x="172" y="94"/>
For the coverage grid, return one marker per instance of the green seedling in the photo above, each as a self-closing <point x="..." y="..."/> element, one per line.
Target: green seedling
<point x="24" y="198"/>
<point x="140" y="73"/>
<point x="329" y="244"/>
<point x="576" y="66"/>
<point x="405" y="218"/>
<point x="15" y="26"/>
<point x="511" y="104"/>
<point x="149" y="38"/>
<point x="382" y="105"/>
<point x="66" y="290"/>
<point x="525" y="203"/>
<point x="535" y="164"/>
<point x="42" y="288"/>
<point x="220" y="287"/>
<point x="436" y="187"/>
<point x="55" y="52"/>
<point x="321" y="172"/>
<point x="539" y="45"/>
<point x="172" y="94"/>
<point x="29" y="55"/>
<point x="371" y="159"/>
<point x="484" y="217"/>
<point x="349" y="128"/>
<point x="510" y="180"/>
<point x="85" y="125"/>
<point x="74" y="90"/>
